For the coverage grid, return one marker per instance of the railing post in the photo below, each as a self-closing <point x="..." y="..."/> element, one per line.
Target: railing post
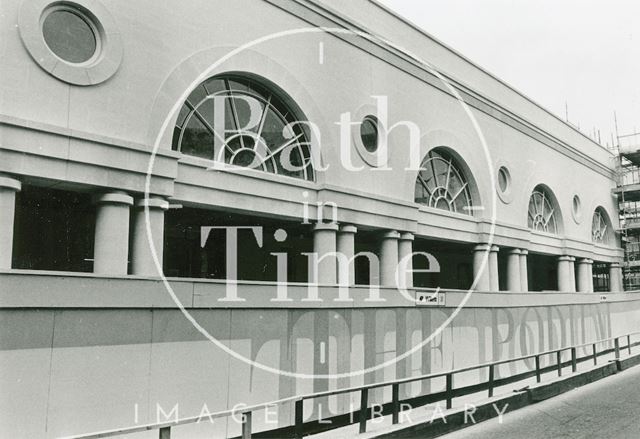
<point x="364" y="403"/>
<point x="629" y="343"/>
<point x="595" y="355"/>
<point x="538" y="368"/>
<point x="165" y="433"/>
<point x="574" y="360"/>
<point x="616" y="345"/>
<point x="491" y="378"/>
<point x="559" y="362"/>
<point x="449" y="390"/>
<point x="395" y="402"/>
<point x="246" y="425"/>
<point x="299" y="418"/>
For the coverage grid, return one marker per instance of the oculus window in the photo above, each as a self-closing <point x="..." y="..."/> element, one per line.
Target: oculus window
<point x="576" y="209"/>
<point x="77" y="41"/>
<point x="69" y="35"/>
<point x="504" y="179"/>
<point x="369" y="133"/>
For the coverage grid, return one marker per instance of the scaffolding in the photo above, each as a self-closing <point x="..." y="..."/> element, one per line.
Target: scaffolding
<point x="628" y="192"/>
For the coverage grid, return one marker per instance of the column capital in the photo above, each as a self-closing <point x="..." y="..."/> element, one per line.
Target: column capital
<point x="481" y="248"/>
<point x="325" y="226"/>
<point x="572" y="258"/>
<point x="495" y="248"/>
<point x="391" y="234"/>
<point x="153" y="203"/>
<point x="564" y="258"/>
<point x="407" y="236"/>
<point x="585" y="261"/>
<point x="117" y="197"/>
<point x="348" y="228"/>
<point x="514" y="251"/>
<point x="10" y="183"/>
<point x="524" y="251"/>
<point x="615" y="265"/>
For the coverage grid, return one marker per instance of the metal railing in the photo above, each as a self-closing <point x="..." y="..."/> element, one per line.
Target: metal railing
<point x="365" y="412"/>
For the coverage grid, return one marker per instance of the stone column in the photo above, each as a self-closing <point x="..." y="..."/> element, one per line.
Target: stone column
<point x="615" y="278"/>
<point x="142" y="263"/>
<point x="389" y="258"/>
<point x="524" y="272"/>
<point x="405" y="250"/>
<point x="481" y="273"/>
<point x="8" y="188"/>
<point x="324" y="243"/>
<point x="514" y="284"/>
<point x="572" y="273"/>
<point x="111" y="248"/>
<point x="494" y="279"/>
<point x="346" y="247"/>
<point x="585" y="278"/>
<point x="564" y="274"/>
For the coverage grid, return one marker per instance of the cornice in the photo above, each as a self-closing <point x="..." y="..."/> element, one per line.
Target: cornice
<point x="320" y="15"/>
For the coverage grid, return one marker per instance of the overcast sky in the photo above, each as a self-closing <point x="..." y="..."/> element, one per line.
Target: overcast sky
<point x="582" y="52"/>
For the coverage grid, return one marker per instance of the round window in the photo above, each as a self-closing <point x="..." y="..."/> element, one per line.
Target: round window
<point x="76" y="41"/>
<point x="576" y="209"/>
<point x="504" y="179"/>
<point x="70" y="35"/>
<point x="369" y="133"/>
<point x="503" y="183"/>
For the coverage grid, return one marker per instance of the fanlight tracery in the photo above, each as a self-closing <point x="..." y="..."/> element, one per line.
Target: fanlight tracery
<point x="542" y="213"/>
<point x="237" y="121"/>
<point x="441" y="184"/>
<point x="600" y="227"/>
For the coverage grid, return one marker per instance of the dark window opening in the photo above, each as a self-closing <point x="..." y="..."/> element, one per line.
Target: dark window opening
<point x="366" y="242"/>
<point x="185" y="257"/>
<point x="503" y="269"/>
<point x="54" y="230"/>
<point x="542" y="272"/>
<point x="601" y="281"/>
<point x="455" y="260"/>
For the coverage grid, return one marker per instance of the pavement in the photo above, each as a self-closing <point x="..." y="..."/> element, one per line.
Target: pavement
<point x="609" y="408"/>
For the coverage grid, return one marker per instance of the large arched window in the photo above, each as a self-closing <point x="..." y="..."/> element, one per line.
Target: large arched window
<point x="442" y="184"/>
<point x="601" y="227"/>
<point x="239" y="121"/>
<point x="543" y="215"/>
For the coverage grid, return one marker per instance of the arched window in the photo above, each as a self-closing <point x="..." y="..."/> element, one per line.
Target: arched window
<point x="600" y="227"/>
<point x="236" y="120"/>
<point x="442" y="184"/>
<point x="542" y="211"/>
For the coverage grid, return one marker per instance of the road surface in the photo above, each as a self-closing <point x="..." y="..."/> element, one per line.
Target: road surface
<point x="609" y="408"/>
